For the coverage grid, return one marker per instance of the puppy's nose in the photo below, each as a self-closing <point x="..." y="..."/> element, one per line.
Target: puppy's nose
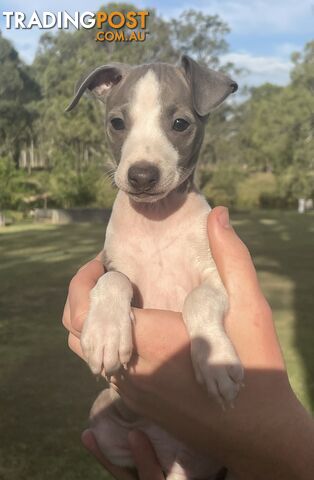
<point x="143" y="176"/>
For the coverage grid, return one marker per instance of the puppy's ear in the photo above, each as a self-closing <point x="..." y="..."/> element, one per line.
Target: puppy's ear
<point x="100" y="82"/>
<point x="209" y="88"/>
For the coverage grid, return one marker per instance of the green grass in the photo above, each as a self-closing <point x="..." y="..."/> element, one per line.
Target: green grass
<point x="46" y="393"/>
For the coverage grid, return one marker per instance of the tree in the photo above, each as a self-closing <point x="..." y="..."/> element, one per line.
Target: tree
<point x="18" y="91"/>
<point x="274" y="131"/>
<point x="201" y="36"/>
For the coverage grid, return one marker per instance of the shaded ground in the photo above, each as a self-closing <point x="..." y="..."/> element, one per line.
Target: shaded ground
<point x="45" y="392"/>
<point x="282" y="245"/>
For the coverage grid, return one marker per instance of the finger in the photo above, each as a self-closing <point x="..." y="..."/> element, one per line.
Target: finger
<point x="79" y="292"/>
<point x="66" y="317"/>
<point x="144" y="457"/>
<point x="98" y="258"/>
<point x="231" y="256"/>
<point x="90" y="444"/>
<point x="75" y="345"/>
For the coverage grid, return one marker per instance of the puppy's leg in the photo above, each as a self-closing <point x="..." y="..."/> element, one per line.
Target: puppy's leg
<point x="214" y="358"/>
<point x="107" y="337"/>
<point x="111" y="429"/>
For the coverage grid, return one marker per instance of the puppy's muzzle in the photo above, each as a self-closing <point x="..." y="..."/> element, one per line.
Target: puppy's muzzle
<point x="143" y="176"/>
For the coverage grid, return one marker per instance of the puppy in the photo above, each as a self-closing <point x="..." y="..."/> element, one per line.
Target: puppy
<point x="156" y="251"/>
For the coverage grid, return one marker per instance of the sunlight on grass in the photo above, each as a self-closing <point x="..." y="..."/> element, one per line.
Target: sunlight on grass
<point x="268" y="221"/>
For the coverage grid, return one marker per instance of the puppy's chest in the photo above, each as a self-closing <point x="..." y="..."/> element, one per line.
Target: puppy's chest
<point x="164" y="262"/>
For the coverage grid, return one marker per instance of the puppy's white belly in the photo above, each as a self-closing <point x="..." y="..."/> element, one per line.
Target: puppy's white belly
<point x="164" y="259"/>
<point x="162" y="275"/>
<point x="163" y="282"/>
<point x="168" y="294"/>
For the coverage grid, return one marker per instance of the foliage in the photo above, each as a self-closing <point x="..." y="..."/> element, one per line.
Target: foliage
<point x="221" y="187"/>
<point x="105" y="192"/>
<point x="257" y="191"/>
<point x="14" y="185"/>
<point x="294" y="184"/>
<point x="70" y="186"/>
<point x="201" y="36"/>
<point x="8" y="176"/>
<point x="18" y="91"/>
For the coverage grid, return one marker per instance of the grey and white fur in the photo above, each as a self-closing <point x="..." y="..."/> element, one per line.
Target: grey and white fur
<point x="156" y="250"/>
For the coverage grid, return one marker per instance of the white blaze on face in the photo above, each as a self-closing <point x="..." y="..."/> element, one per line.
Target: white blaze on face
<point x="146" y="139"/>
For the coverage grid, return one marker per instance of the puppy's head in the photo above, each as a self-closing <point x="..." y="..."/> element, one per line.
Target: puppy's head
<point x="155" y="118"/>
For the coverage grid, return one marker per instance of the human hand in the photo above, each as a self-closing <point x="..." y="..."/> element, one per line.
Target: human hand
<point x="77" y="302"/>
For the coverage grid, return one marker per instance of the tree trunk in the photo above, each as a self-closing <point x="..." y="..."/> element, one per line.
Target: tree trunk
<point x="32" y="157"/>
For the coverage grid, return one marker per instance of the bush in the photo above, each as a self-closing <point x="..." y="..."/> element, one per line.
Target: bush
<point x="8" y="180"/>
<point x="221" y="189"/>
<point x="88" y="185"/>
<point x="233" y="188"/>
<point x="105" y="192"/>
<point x="257" y="191"/>
<point x="295" y="183"/>
<point x="15" y="186"/>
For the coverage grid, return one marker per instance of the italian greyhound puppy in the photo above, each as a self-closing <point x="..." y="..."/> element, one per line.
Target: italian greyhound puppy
<point x="156" y="253"/>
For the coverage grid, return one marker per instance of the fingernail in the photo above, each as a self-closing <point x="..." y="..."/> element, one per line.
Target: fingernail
<point x="115" y="388"/>
<point x="223" y="218"/>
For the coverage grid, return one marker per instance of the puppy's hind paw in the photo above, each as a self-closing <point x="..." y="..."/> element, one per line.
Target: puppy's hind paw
<point x="220" y="371"/>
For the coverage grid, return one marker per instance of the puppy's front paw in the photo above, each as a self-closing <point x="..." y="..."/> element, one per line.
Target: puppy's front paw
<point x="106" y="338"/>
<point x="218" y="367"/>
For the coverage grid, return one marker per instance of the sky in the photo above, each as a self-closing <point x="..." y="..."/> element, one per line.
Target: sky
<point x="263" y="35"/>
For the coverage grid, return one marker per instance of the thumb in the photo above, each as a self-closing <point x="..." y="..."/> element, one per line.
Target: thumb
<point x="233" y="260"/>
<point x="78" y="300"/>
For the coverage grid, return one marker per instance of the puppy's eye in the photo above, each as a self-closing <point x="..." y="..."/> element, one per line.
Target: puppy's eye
<point x="117" y="123"/>
<point x="180" y="124"/>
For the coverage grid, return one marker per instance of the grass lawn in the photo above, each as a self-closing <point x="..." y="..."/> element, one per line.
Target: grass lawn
<point x="45" y="392"/>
